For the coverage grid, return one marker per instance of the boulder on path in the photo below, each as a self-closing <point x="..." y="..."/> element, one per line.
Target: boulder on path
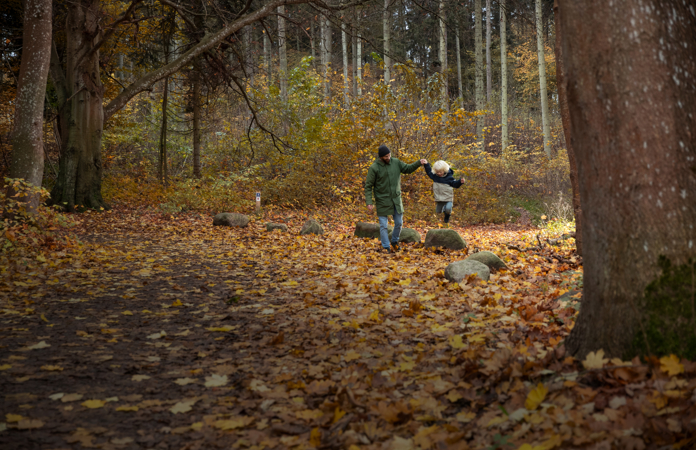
<point x="311" y="226"/>
<point x="488" y="258"/>
<point x="368" y="230"/>
<point x="231" y="220"/>
<point x="371" y="230"/>
<point x="459" y="270"/>
<point x="444" y="238"/>
<point x="270" y="226"/>
<point x="408" y="235"/>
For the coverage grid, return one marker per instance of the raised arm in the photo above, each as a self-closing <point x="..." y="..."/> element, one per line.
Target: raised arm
<point x="410" y="168"/>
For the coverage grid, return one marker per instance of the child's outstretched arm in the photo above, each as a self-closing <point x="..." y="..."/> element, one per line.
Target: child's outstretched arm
<point x="428" y="171"/>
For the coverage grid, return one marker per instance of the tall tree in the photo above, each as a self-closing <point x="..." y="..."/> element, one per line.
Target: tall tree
<point x="632" y="103"/>
<point x="344" y="45"/>
<point x="561" y="81"/>
<point x="459" y="68"/>
<point x="542" y="81"/>
<point x="27" y="135"/>
<point x="489" y="67"/>
<point x="478" y="50"/>
<point x="503" y="76"/>
<point x="267" y="55"/>
<point x="325" y="55"/>
<point x="444" y="99"/>
<point x="386" y="27"/>
<point x="282" y="54"/>
<point x="358" y="55"/>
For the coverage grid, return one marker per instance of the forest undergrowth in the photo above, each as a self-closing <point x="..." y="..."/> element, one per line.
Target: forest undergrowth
<point x="139" y="329"/>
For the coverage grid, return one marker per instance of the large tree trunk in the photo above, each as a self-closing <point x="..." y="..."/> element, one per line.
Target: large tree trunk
<point x="27" y="135"/>
<point x="503" y="77"/>
<point x="478" y="50"/>
<point x="358" y="56"/>
<point x="325" y="55"/>
<point x="631" y="93"/>
<point x="489" y="66"/>
<point x="561" y="82"/>
<point x="386" y="29"/>
<point x="79" y="177"/>
<point x="163" y="171"/>
<point x="282" y="54"/>
<point x="442" y="32"/>
<point x="542" y="82"/>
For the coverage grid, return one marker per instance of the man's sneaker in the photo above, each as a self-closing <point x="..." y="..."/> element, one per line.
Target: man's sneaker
<point x="395" y="246"/>
<point x="384" y="250"/>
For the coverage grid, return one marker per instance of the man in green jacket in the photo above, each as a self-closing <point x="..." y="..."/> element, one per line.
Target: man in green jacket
<point x="384" y="182"/>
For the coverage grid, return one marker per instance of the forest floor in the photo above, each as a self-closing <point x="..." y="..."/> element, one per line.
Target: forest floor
<point x="159" y="331"/>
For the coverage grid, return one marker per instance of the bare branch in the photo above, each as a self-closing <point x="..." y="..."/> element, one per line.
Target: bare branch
<point x="112" y="28"/>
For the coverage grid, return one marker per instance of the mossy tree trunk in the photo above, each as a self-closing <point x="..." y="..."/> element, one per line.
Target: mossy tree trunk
<point x="632" y="104"/>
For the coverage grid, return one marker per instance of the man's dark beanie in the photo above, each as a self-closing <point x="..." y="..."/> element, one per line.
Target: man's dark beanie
<point x="383" y="150"/>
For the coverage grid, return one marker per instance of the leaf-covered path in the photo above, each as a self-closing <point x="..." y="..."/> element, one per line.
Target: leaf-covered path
<point x="163" y="332"/>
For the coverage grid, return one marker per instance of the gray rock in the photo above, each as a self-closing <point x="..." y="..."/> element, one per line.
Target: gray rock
<point x="371" y="230"/>
<point x="270" y="226"/>
<point x="368" y="230"/>
<point x="231" y="220"/>
<point x="459" y="270"/>
<point x="488" y="258"/>
<point x="444" y="238"/>
<point x="311" y="226"/>
<point x="408" y="235"/>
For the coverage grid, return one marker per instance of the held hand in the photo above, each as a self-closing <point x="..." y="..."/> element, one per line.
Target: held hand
<point x="423" y="162"/>
<point x="370" y="207"/>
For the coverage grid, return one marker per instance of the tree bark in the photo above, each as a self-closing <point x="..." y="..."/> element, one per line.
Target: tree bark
<point x="542" y="82"/>
<point x="80" y="168"/>
<point x="196" y="99"/>
<point x="267" y="56"/>
<point x="162" y="171"/>
<point x="386" y="28"/>
<point x="503" y="77"/>
<point x="444" y="98"/>
<point x="631" y="94"/>
<point x="282" y="54"/>
<point x="459" y="69"/>
<point x="358" y="56"/>
<point x="561" y="82"/>
<point x="346" y="80"/>
<point x="27" y="135"/>
<point x="489" y="67"/>
<point x="478" y="50"/>
<point x="324" y="52"/>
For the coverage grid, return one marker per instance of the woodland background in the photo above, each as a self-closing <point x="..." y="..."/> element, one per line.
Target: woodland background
<point x="295" y="105"/>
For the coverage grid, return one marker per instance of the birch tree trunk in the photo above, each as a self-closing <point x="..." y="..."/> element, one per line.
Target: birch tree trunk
<point x="386" y="30"/>
<point x="561" y="82"/>
<point x="444" y="100"/>
<point x="346" y="80"/>
<point x="27" y="135"/>
<point x="478" y="50"/>
<point x="459" y="69"/>
<point x="503" y="77"/>
<point x="358" y="56"/>
<point x="489" y="66"/>
<point x="323" y="50"/>
<point x="282" y="54"/>
<point x="542" y="82"/>
<point x="354" y="49"/>
<point x="632" y="103"/>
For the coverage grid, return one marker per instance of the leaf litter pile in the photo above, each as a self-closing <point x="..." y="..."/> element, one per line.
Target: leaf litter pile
<point x="159" y="332"/>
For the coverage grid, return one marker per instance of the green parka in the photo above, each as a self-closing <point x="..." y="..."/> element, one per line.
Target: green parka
<point x="384" y="181"/>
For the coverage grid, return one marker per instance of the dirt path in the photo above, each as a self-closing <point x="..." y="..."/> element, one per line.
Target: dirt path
<point x="170" y="334"/>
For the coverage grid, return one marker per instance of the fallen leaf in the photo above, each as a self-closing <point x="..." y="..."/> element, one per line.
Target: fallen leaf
<point x="535" y="397"/>
<point x="93" y="404"/>
<point x="185" y="381"/>
<point x="671" y="365"/>
<point x="231" y="424"/>
<point x="215" y="380"/>
<point x="595" y="360"/>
